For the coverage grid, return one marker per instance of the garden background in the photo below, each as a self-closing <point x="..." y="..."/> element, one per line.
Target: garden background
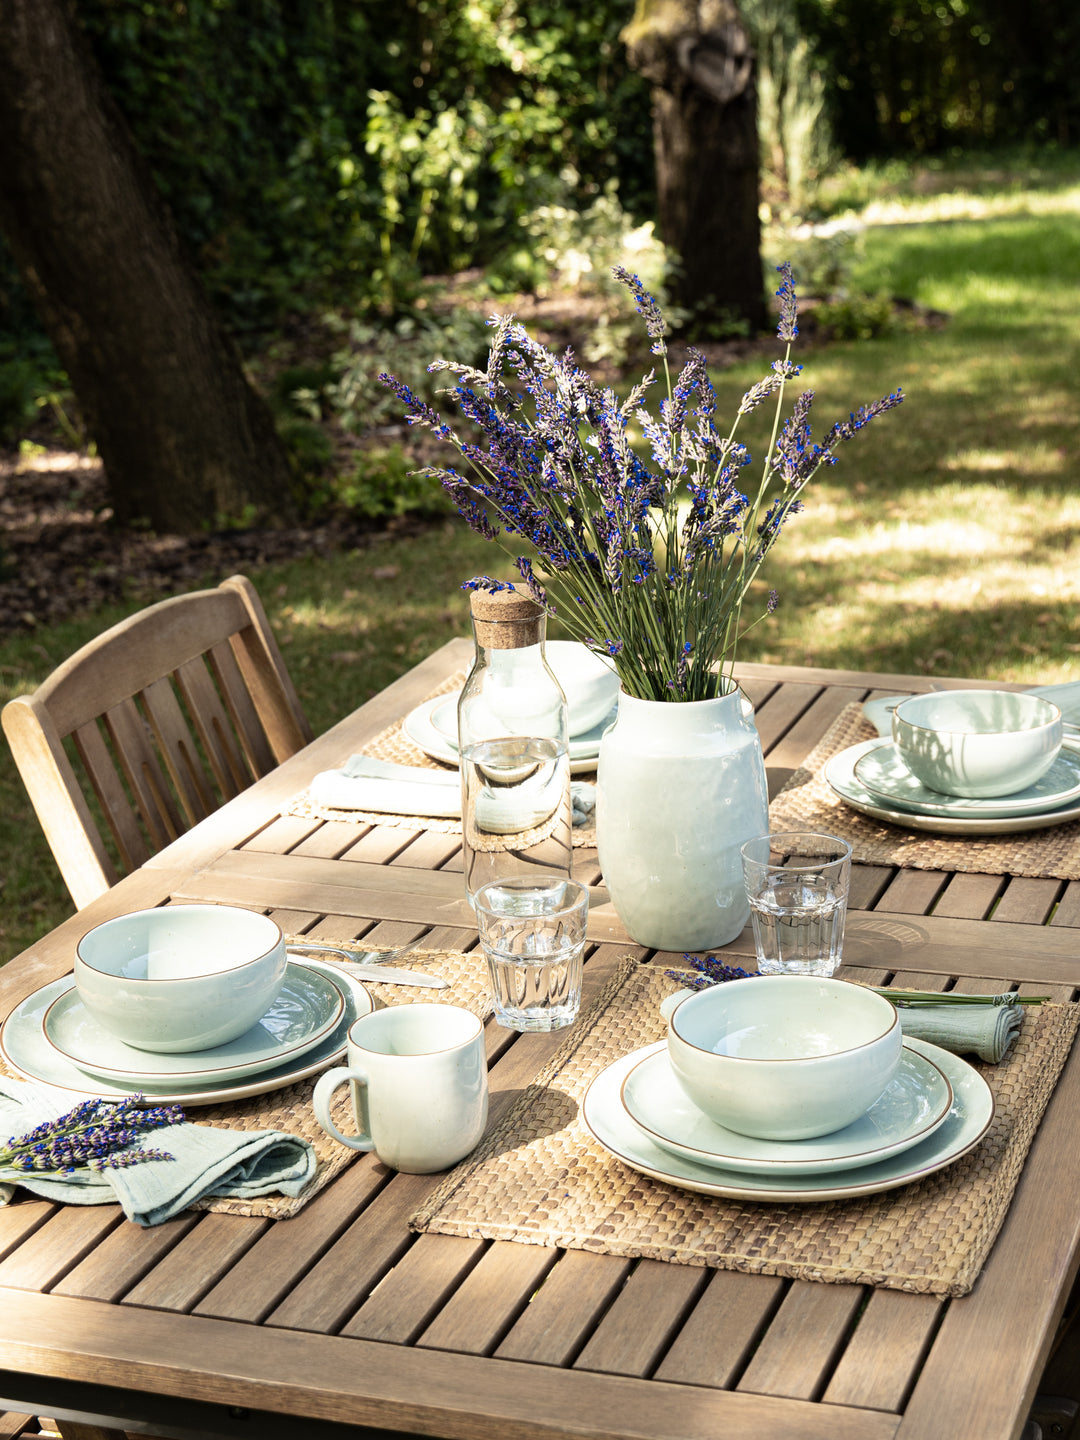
<point x="362" y="185"/>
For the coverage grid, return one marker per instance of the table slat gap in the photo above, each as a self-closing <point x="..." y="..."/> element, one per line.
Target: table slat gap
<point x="798" y="1353"/>
<point x="482" y="1311"/>
<point x="410" y="1295"/>
<point x="644" y="1319"/>
<point x="724" y="1329"/>
<point x="885" y="1354"/>
<point x="55" y="1248"/>
<point x="559" y="1319"/>
<point x="346" y="1273"/>
<point x="195" y="1265"/>
<point x="124" y="1258"/>
<point x="272" y="1268"/>
<point x="19" y="1222"/>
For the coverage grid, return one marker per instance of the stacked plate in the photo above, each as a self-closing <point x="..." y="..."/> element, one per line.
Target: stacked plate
<point x="936" y="1109"/>
<point x="52" y="1038"/>
<point x="433" y="727"/>
<point x="873" y="779"/>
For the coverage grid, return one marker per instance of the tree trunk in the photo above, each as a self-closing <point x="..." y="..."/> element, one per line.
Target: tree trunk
<point x="186" y="441"/>
<point x="697" y="55"/>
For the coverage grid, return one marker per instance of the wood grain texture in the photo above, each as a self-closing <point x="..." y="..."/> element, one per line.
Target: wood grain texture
<point x="797" y="1353"/>
<point x="166" y="767"/>
<point x="342" y="1314"/>
<point x="491" y="1297"/>
<point x="723" y="1329"/>
<point x="890" y="1341"/>
<point x="459" y="1397"/>
<point x="644" y="1319"/>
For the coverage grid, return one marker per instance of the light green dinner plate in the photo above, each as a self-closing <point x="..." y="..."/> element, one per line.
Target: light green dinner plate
<point x="25" y="1049"/>
<point x="839" y="774"/>
<point x="882" y="771"/>
<point x="966" y="1123"/>
<point x="911" y="1109"/>
<point x="307" y="1008"/>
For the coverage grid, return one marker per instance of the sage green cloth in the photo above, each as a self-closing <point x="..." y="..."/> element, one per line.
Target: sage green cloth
<point x="206" y="1161"/>
<point x="985" y="1030"/>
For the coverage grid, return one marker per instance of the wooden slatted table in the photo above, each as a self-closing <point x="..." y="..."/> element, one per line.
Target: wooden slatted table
<point x="341" y="1321"/>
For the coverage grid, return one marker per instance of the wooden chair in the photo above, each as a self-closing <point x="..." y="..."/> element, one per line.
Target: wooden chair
<point x="169" y="714"/>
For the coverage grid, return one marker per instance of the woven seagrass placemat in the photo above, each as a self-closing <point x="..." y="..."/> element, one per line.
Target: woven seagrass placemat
<point x="394" y="745"/>
<point x="807" y="803"/>
<point x="289" y="1109"/>
<point x="540" y="1178"/>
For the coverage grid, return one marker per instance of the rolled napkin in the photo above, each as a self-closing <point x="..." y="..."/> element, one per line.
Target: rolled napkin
<point x="984" y="1026"/>
<point x="364" y="783"/>
<point x="583" y="801"/>
<point x="206" y="1161"/>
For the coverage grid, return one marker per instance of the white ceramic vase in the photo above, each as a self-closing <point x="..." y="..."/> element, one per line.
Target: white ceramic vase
<point x="680" y="787"/>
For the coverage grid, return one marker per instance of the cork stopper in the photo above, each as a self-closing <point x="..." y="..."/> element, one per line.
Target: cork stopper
<point x="506" y="619"/>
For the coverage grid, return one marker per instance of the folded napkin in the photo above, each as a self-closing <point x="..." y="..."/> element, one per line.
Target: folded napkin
<point x="364" y="783"/>
<point x="985" y="1030"/>
<point x="206" y="1161"/>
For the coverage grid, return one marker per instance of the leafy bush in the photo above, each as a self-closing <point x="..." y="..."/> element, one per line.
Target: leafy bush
<point x="384" y="485"/>
<point x="856" y="316"/>
<point x="315" y="152"/>
<point x="19" y="383"/>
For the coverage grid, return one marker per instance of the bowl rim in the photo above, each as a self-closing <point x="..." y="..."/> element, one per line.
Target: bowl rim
<point x="1054" y="719"/>
<point x="177" y="979"/>
<point x="780" y="1059"/>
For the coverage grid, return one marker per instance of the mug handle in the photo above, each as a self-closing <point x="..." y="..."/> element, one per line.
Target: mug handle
<point x="327" y="1083"/>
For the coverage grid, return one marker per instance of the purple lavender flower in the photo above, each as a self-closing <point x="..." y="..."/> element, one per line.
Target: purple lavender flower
<point x="788" y="327"/>
<point x="647" y="308"/>
<point x="96" y="1135"/>
<point x="485" y="582"/>
<point x="710" y="971"/>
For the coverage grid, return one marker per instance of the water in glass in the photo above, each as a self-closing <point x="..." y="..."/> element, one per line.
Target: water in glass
<point x="533" y="935"/>
<point x="798" y="924"/>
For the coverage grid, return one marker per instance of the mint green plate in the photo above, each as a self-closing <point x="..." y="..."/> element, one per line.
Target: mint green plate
<point x="911" y="1109"/>
<point x="966" y="1123"/>
<point x="882" y="771"/>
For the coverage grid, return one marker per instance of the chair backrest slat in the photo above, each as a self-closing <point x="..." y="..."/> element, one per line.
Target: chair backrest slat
<point x="175" y="743"/>
<point x="168" y="714"/>
<point x="107" y="784"/>
<point x="243" y="714"/>
<point x="213" y="726"/>
<point x="132" y="742"/>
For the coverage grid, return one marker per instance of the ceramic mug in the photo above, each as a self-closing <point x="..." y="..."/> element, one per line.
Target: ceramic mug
<point x="419" y="1086"/>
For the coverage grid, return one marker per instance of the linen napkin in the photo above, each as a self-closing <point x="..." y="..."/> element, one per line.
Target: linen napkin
<point x="364" y="783"/>
<point x="379" y="786"/>
<point x="206" y="1161"/>
<point x="983" y="1030"/>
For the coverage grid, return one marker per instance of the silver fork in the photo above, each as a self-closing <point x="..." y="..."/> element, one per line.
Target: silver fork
<point x="378" y="970"/>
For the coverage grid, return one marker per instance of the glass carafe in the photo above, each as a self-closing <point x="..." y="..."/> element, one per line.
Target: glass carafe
<point x="512" y="737"/>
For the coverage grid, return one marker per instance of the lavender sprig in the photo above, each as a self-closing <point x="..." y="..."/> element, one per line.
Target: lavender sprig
<point x="96" y="1135"/>
<point x="710" y="971"/>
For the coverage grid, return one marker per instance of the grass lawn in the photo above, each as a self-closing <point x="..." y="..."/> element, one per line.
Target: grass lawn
<point x="946" y="540"/>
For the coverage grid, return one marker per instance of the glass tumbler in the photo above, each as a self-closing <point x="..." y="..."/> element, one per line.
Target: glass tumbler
<point x="797" y="884"/>
<point x="532" y="930"/>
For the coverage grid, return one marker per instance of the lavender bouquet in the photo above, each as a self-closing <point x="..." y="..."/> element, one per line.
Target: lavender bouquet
<point x="646" y="560"/>
<point x="96" y="1135"/>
